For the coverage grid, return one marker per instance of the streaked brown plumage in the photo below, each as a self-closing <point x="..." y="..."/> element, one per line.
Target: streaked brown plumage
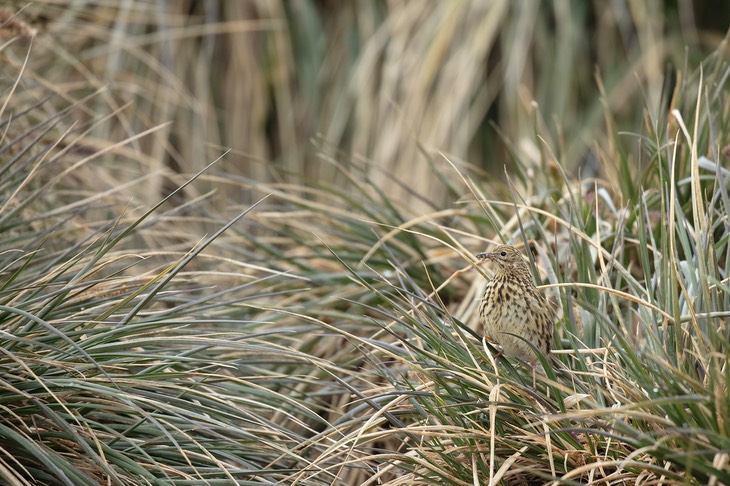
<point x="512" y="306"/>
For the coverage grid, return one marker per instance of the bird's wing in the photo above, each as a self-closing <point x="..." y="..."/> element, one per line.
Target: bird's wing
<point x="545" y="307"/>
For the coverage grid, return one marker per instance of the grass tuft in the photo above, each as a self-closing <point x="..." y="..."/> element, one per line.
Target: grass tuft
<point x="303" y="309"/>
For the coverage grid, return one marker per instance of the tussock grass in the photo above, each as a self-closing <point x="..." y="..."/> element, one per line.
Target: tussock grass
<point x="638" y="390"/>
<point x="370" y="79"/>
<point x="303" y="309"/>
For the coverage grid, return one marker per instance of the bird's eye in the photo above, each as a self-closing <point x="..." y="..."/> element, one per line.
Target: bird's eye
<point x="504" y="253"/>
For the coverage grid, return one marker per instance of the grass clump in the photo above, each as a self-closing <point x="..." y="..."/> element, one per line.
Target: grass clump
<point x="638" y="390"/>
<point x="122" y="363"/>
<point x="325" y="332"/>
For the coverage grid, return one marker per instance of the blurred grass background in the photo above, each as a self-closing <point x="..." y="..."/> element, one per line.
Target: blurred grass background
<point x="325" y="336"/>
<point x="391" y="84"/>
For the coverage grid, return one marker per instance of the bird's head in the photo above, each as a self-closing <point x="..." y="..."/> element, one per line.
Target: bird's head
<point x="506" y="257"/>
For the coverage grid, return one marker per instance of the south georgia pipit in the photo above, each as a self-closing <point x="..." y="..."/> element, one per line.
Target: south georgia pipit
<point x="512" y="311"/>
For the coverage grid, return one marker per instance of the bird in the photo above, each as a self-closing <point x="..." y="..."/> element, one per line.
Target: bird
<point x="512" y="311"/>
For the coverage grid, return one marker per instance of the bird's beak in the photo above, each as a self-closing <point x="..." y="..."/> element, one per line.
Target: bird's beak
<point x="484" y="256"/>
